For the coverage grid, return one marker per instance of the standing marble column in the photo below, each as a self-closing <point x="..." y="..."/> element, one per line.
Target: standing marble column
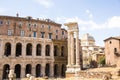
<point x="72" y="48"/>
<point x="77" y="50"/>
<point x="69" y="48"/>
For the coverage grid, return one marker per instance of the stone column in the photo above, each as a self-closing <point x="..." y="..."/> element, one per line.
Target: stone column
<point x="77" y="50"/>
<point x="51" y="51"/>
<point x="43" y="69"/>
<point x="43" y="50"/>
<point x="23" y="75"/>
<point x="13" y="49"/>
<point x="72" y="48"/>
<point x="1" y="48"/>
<point x="23" y="50"/>
<point x="51" y="69"/>
<point x="69" y="48"/>
<point x="34" y="50"/>
<point x="33" y="71"/>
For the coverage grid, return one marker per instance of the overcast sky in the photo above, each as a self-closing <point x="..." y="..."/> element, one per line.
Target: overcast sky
<point x="99" y="18"/>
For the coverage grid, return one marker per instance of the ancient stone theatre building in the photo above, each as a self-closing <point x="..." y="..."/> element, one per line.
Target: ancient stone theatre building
<point x="34" y="46"/>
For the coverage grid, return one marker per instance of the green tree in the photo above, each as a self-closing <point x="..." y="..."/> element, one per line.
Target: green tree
<point x="102" y="60"/>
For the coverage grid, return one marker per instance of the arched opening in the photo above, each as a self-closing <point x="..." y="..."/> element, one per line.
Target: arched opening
<point x="38" y="50"/>
<point x="55" y="51"/>
<point x="7" y="49"/>
<point x="47" y="50"/>
<point x="47" y="70"/>
<point x="62" y="51"/>
<point x="18" y="70"/>
<point x="28" y="69"/>
<point x="38" y="70"/>
<point x="6" y="69"/>
<point x="18" y="49"/>
<point x="56" y="70"/>
<point x="63" y="69"/>
<point x="29" y="49"/>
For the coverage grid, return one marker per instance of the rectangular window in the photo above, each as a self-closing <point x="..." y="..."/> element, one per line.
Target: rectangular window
<point x="8" y="22"/>
<point x="34" y="34"/>
<point x="9" y="32"/>
<point x="62" y="32"/>
<point x="56" y="31"/>
<point x="57" y="37"/>
<point x="50" y="35"/>
<point x="22" y="33"/>
<point x="42" y="34"/>
<point x="1" y="22"/>
<point x="49" y="27"/>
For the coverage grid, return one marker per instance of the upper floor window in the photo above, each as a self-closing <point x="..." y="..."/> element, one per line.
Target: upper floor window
<point x="49" y="27"/>
<point x="34" y="34"/>
<point x="29" y="24"/>
<point x="50" y="35"/>
<point x="7" y="22"/>
<point x="1" y="22"/>
<point x="35" y="25"/>
<point x="110" y="42"/>
<point x="56" y="31"/>
<point x="20" y="24"/>
<point x="42" y="34"/>
<point x="42" y="26"/>
<point x="10" y="32"/>
<point x="57" y="37"/>
<point x="115" y="49"/>
<point x="62" y="32"/>
<point x="22" y="33"/>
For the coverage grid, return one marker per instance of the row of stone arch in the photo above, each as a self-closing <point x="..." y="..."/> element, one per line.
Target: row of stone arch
<point x="38" y="71"/>
<point x="18" y="49"/>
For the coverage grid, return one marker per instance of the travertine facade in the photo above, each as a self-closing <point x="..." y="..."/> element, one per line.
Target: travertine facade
<point x="112" y="51"/>
<point x="34" y="46"/>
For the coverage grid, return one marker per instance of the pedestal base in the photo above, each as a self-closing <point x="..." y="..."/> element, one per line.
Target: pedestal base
<point x="72" y="70"/>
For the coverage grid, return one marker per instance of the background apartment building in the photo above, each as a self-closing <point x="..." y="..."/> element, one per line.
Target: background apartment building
<point x="34" y="46"/>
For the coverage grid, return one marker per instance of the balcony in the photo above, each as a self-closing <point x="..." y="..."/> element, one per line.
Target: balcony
<point x="117" y="54"/>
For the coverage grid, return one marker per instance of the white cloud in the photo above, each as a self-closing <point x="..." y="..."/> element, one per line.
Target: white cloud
<point x="46" y="3"/>
<point x="87" y="11"/>
<point x="90" y="15"/>
<point x="113" y="22"/>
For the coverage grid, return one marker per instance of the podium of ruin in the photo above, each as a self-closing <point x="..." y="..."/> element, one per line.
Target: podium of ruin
<point x="73" y="65"/>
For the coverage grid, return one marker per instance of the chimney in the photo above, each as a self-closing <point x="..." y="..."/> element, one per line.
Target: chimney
<point x="17" y="15"/>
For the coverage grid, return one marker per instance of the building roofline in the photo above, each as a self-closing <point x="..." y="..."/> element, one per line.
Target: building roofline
<point x="117" y="38"/>
<point x="31" y="19"/>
